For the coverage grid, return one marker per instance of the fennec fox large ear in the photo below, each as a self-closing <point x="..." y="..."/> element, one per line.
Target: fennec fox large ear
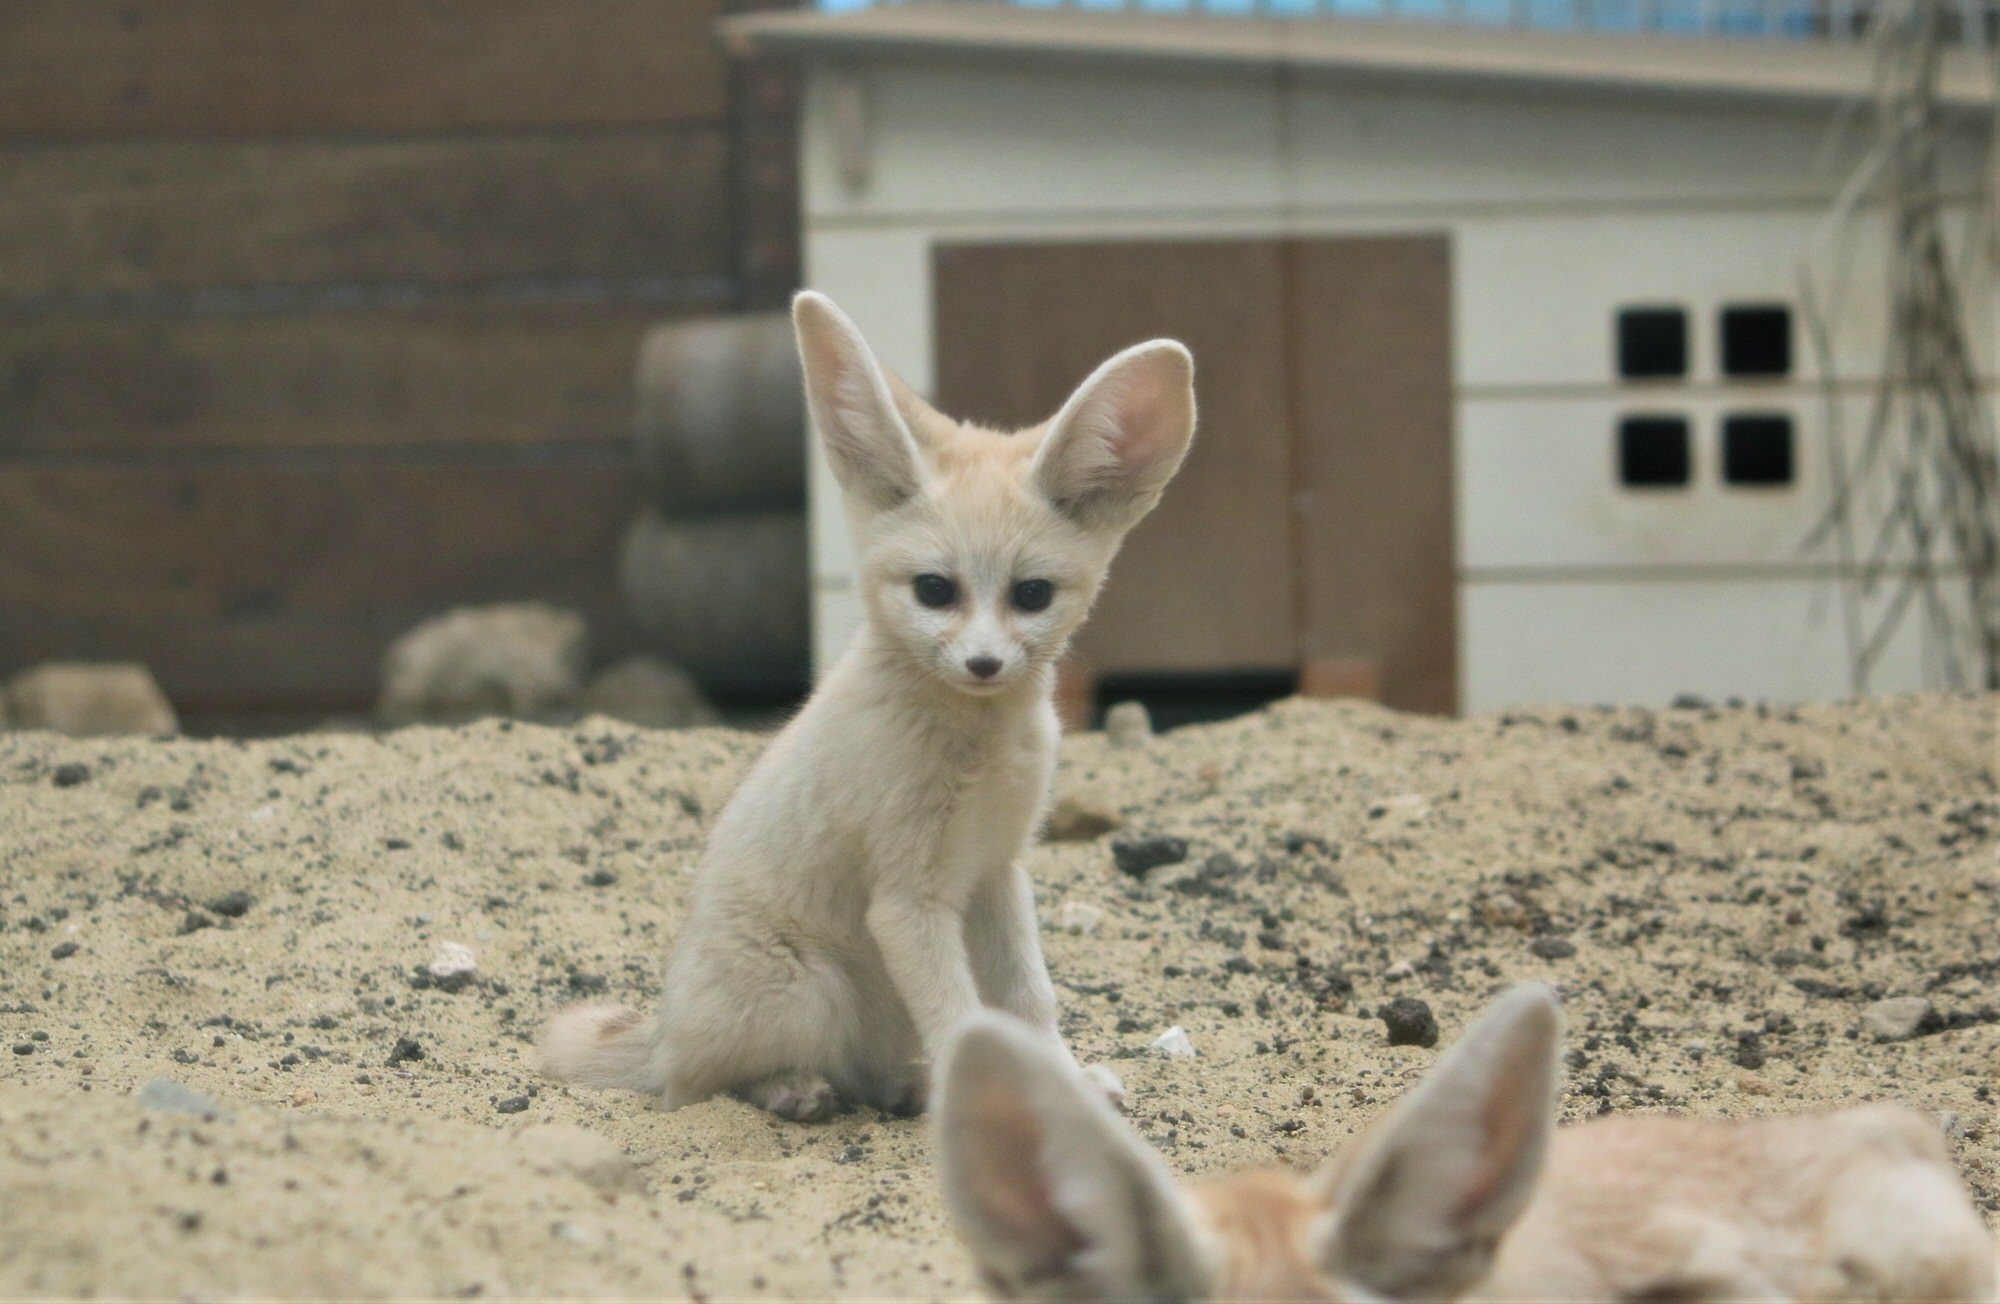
<point x="1421" y="1206"/>
<point x="1111" y="450"/>
<point x="857" y="407"/>
<point x="1053" y="1193"/>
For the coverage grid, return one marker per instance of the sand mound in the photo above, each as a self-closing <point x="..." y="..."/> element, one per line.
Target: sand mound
<point x="1720" y="895"/>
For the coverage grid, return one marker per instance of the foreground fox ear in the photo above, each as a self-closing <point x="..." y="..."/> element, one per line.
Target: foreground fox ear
<point x="854" y="406"/>
<point x="1111" y="450"/>
<point x="1052" y="1192"/>
<point x="1420" y="1208"/>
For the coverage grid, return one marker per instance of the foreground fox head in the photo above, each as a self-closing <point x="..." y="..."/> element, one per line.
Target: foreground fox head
<point x="1464" y="1188"/>
<point x="1058" y="1198"/>
<point x="980" y="553"/>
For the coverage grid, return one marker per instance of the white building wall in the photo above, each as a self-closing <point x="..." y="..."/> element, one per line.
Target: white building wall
<point x="1560" y="209"/>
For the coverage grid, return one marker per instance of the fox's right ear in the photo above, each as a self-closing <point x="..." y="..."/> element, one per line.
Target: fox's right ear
<point x="1054" y="1194"/>
<point x="1108" y="454"/>
<point x="1419" y="1209"/>
<point x="854" y="408"/>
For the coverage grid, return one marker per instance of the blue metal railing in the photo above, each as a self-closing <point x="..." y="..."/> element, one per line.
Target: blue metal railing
<point x="1793" y="19"/>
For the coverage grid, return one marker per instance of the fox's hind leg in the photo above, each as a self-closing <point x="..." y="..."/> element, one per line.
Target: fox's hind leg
<point x="797" y="1094"/>
<point x="765" y="1017"/>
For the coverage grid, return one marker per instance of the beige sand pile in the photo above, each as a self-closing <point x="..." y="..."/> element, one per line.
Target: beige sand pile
<point x="1718" y="894"/>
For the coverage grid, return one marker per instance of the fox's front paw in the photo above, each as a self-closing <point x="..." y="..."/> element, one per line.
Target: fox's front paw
<point x="1107" y="1082"/>
<point x="910" y="1093"/>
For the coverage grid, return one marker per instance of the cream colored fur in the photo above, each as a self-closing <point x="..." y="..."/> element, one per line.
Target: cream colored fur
<point x="1464" y="1190"/>
<point x="862" y="893"/>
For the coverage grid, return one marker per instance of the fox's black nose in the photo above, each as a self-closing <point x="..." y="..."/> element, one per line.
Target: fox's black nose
<point x="983" y="667"/>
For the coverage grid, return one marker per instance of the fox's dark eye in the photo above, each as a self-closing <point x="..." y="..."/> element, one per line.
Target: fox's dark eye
<point x="1034" y="595"/>
<point x="936" y="591"/>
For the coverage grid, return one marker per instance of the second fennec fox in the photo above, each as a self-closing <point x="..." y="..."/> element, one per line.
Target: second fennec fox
<point x="1466" y="1189"/>
<point x="861" y="894"/>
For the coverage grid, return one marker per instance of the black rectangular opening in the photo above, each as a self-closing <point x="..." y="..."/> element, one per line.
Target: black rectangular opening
<point x="1652" y="343"/>
<point x="1175" y="700"/>
<point x="1653" y="452"/>
<point x="1757" y="340"/>
<point x="1757" y="449"/>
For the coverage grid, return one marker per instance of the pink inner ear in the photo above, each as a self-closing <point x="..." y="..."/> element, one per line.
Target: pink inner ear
<point x="1009" y="1184"/>
<point x="1138" y="410"/>
<point x="1138" y="425"/>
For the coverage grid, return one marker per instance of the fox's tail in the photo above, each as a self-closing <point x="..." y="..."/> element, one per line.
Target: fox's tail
<point x="604" y="1046"/>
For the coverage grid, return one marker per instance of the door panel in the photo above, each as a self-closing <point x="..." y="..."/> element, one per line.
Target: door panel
<point x="1372" y="402"/>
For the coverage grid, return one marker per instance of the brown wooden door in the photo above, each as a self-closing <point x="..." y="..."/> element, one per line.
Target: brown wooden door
<point x="1313" y="518"/>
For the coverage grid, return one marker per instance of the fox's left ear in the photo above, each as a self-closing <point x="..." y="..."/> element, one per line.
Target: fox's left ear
<point x="1109" y="453"/>
<point x="1419" y="1208"/>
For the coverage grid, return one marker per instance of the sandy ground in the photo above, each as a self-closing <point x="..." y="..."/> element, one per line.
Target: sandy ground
<point x="1718" y="894"/>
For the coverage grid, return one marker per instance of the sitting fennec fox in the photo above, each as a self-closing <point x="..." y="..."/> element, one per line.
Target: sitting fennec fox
<point x="861" y="894"/>
<point x="1464" y="1190"/>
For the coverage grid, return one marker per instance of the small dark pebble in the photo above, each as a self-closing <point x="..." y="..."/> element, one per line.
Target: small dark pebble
<point x="63" y="951"/>
<point x="512" y="1105"/>
<point x="24" y="1048"/>
<point x="1137" y="853"/>
<point x="68" y="776"/>
<point x="587" y="983"/>
<point x="233" y="905"/>
<point x="1410" y="1022"/>
<point x="1553" y="948"/>
<point x="600" y="878"/>
<point x="406" y="1049"/>
<point x="195" y="922"/>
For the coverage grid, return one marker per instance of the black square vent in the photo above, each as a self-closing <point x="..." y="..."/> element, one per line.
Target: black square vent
<point x="1652" y="343"/>
<point x="1757" y="340"/>
<point x="1654" y="452"/>
<point x="1757" y="449"/>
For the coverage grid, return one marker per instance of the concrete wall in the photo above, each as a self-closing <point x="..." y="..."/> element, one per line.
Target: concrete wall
<point x="1561" y="208"/>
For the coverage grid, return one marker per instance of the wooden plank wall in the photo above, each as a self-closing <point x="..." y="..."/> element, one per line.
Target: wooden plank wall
<point x="318" y="316"/>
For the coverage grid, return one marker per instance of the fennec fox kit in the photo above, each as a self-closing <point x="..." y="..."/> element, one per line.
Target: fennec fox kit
<point x="1464" y="1190"/>
<point x="862" y="893"/>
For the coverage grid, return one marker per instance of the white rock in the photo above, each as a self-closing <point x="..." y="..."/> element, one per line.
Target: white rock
<point x="1404" y="808"/>
<point x="1128" y="724"/>
<point x="575" y="1235"/>
<point x="1079" y="917"/>
<point x="88" y="700"/>
<point x="649" y="692"/>
<point x="1898" y="1018"/>
<point x="1082" y="816"/>
<point x="453" y="962"/>
<point x="1173" y="1043"/>
<point x="522" y="659"/>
